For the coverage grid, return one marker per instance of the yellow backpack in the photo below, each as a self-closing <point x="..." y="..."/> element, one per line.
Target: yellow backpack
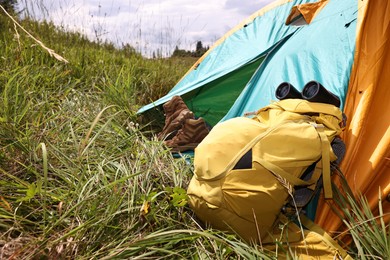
<point x="246" y="168"/>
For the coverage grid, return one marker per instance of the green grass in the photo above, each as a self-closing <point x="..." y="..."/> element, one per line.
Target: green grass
<point x="80" y="177"/>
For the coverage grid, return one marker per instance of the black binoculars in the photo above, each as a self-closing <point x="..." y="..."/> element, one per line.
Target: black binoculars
<point x="313" y="92"/>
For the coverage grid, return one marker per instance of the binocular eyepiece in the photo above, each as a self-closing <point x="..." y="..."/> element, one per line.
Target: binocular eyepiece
<point x="313" y="91"/>
<point x="286" y="90"/>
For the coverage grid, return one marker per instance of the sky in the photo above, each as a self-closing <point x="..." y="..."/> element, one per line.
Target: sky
<point x="149" y="26"/>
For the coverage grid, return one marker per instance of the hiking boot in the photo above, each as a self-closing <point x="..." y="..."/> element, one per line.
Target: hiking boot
<point x="189" y="136"/>
<point x="174" y="123"/>
<point x="176" y="112"/>
<point x="176" y="103"/>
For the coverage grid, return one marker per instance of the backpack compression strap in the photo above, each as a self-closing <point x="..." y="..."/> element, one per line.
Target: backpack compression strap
<point x="276" y="170"/>
<point x="325" y="146"/>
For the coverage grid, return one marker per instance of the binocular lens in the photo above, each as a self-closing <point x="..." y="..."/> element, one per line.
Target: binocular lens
<point x="315" y="92"/>
<point x="282" y="90"/>
<point x="286" y="90"/>
<point x="310" y="91"/>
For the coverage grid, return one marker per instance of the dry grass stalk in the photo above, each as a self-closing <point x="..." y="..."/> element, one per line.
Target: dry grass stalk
<point x="50" y="51"/>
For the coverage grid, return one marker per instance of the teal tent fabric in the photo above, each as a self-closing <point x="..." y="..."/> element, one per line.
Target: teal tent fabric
<point x="251" y="42"/>
<point x="322" y="50"/>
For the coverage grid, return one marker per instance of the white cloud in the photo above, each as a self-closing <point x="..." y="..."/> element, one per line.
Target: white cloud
<point x="246" y="9"/>
<point x="147" y="25"/>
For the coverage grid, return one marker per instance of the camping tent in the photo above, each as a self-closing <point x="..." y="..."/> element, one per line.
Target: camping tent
<point x="343" y="44"/>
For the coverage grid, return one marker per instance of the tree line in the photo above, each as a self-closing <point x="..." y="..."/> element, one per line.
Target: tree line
<point x="199" y="51"/>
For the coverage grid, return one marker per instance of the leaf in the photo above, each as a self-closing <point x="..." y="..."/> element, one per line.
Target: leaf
<point x="32" y="190"/>
<point x="179" y="197"/>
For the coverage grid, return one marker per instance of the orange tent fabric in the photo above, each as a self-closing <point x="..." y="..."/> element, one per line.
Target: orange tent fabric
<point x="367" y="135"/>
<point x="308" y="11"/>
